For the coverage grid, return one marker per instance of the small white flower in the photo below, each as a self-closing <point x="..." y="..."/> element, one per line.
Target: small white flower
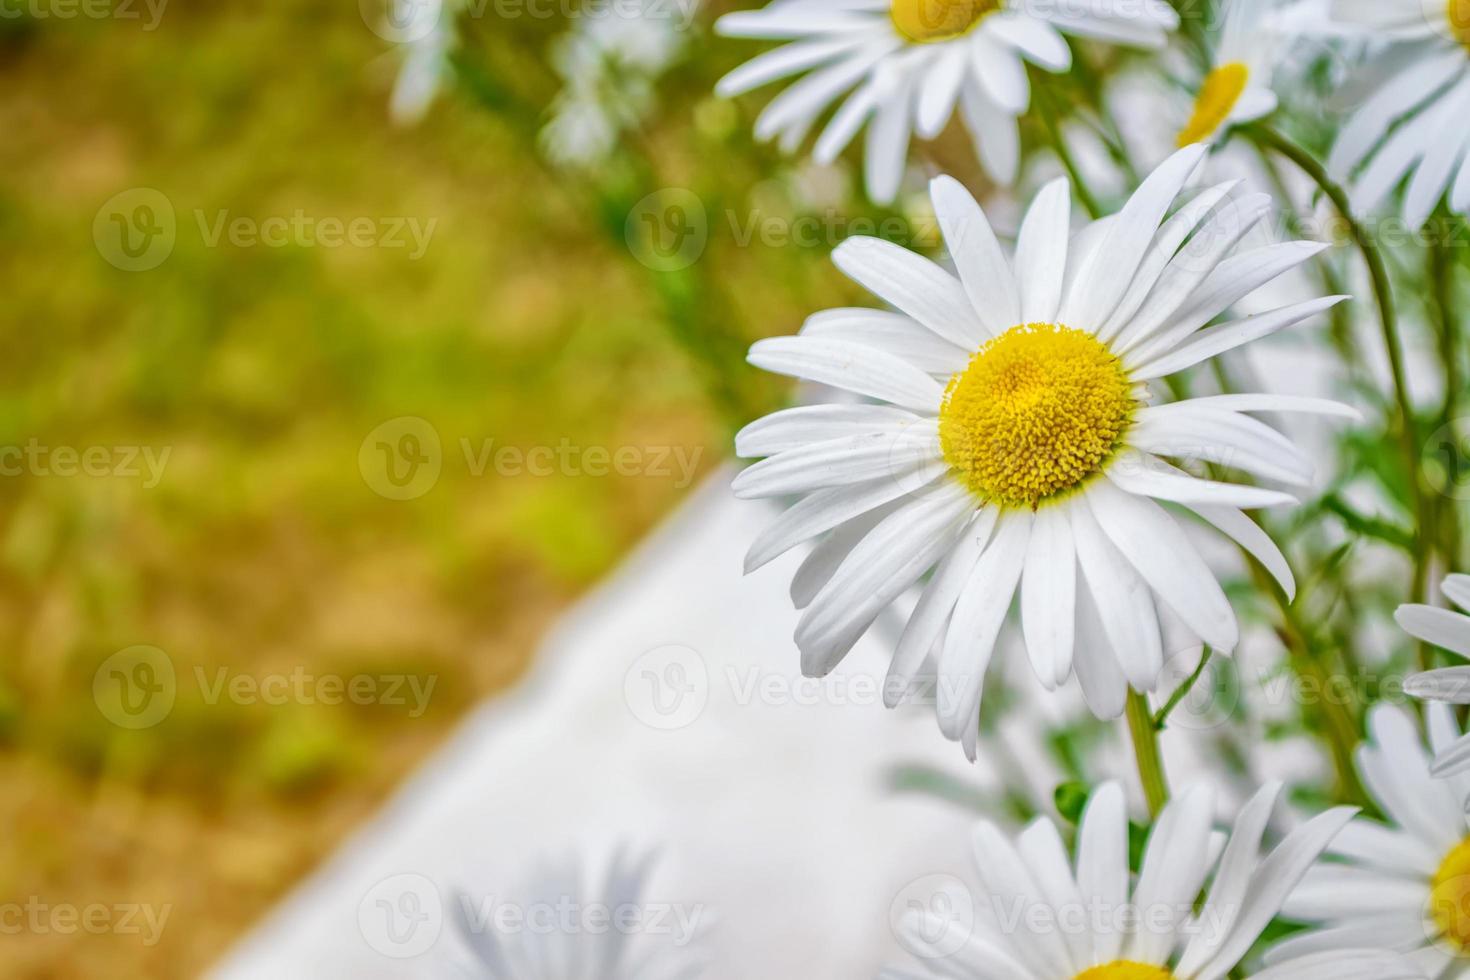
<point x="1451" y="630"/>
<point x="907" y="64"/>
<point x="1045" y="917"/>
<point x="1016" y="449"/>
<point x="558" y="928"/>
<point x="1420" y="106"/>
<point x="1403" y="885"/>
<point x="1237" y="88"/>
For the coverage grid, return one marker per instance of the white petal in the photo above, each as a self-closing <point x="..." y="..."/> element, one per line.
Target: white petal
<point x="1049" y="597"/>
<point x="914" y="285"/>
<point x="932" y="613"/>
<point x="792" y="428"/>
<point x="1109" y="275"/>
<point x="1102" y="862"/>
<point x="887" y="561"/>
<point x="1041" y="252"/>
<point x="1440" y="627"/>
<point x="1163" y="555"/>
<point x="1228" y="336"/>
<point x="853" y="367"/>
<point x="978" y="616"/>
<point x="1122" y="600"/>
<point x="984" y="269"/>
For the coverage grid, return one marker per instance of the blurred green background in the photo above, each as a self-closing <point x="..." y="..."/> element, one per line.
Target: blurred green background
<point x="263" y="550"/>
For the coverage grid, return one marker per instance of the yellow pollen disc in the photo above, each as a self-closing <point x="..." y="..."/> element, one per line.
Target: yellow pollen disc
<point x="1038" y="410"/>
<point x="1459" y="14"/>
<point x="1217" y="96"/>
<point x="1125" y="970"/>
<point x="922" y="21"/>
<point x="1449" y="898"/>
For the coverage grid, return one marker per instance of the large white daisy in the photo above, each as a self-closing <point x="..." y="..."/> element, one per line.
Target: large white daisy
<point x="1422" y="97"/>
<point x="1015" y="446"/>
<point x="1237" y="88"/>
<point x="1451" y="630"/>
<point x="907" y="64"/>
<point x="1403" y="885"/>
<point x="1045" y="917"/>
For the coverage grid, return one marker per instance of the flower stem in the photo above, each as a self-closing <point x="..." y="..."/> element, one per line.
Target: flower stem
<point x="1146" y="749"/>
<point x="1388" y="320"/>
<point x="1047" y="110"/>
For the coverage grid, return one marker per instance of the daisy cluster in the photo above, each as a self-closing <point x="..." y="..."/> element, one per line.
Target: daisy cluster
<point x="1049" y="445"/>
<point x="1053" y="424"/>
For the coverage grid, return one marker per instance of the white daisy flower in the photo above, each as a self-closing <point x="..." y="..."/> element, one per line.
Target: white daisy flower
<point x="907" y="64"/>
<point x="559" y="928"/>
<point x="1450" y="630"/>
<point x="1237" y="89"/>
<point x="1402" y="885"/>
<point x="1016" y="448"/>
<point x="1423" y="98"/>
<point x="1045" y="917"/>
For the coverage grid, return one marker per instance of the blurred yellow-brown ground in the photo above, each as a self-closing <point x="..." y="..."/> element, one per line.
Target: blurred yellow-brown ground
<point x="263" y="551"/>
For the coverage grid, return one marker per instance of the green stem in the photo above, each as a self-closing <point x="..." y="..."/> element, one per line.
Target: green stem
<point x="1146" y="749"/>
<point x="1442" y="271"/>
<point x="1388" y="320"/>
<point x="1047" y="111"/>
<point x="1182" y="691"/>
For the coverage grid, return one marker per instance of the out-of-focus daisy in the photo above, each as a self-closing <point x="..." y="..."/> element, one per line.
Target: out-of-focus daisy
<point x="1420" y="105"/>
<point x="561" y="928"/>
<point x="1237" y="88"/>
<point x="610" y="62"/>
<point x="1016" y="449"/>
<point x="1403" y="885"/>
<point x="1044" y="917"/>
<point x="1451" y="630"/>
<point x="907" y="64"/>
<point x="430" y="33"/>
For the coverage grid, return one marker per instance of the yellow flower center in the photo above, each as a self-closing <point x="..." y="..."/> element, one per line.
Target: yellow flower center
<point x="1038" y="410"/>
<point x="1125" y="970"/>
<point x="923" y="21"/>
<point x="1449" y="898"/>
<point x="1459" y="13"/>
<point x="1222" y="88"/>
